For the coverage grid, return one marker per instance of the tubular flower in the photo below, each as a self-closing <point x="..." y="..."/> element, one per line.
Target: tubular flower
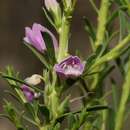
<point x="34" y="37"/>
<point x="29" y="93"/>
<point x="71" y="67"/>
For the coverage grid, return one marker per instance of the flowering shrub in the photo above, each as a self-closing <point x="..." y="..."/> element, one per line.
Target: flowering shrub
<point x="42" y="98"/>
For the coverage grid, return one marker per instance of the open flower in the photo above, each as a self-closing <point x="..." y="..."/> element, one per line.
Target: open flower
<point x="70" y="67"/>
<point x="34" y="37"/>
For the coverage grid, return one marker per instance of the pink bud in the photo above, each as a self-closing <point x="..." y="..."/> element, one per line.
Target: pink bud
<point x="51" y="4"/>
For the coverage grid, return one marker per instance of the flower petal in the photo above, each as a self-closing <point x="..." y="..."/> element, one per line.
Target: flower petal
<point x="70" y="67"/>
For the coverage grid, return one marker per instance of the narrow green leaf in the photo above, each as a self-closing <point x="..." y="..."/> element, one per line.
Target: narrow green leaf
<point x="14" y="96"/>
<point x="45" y="112"/>
<point x="123" y="24"/>
<point x="97" y="108"/>
<point x="115" y="95"/>
<point x="50" y="48"/>
<point x="21" y="82"/>
<point x="89" y="28"/>
<point x="38" y="55"/>
<point x="111" y="119"/>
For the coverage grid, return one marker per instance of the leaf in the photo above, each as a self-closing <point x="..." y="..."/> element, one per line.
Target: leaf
<point x="120" y="65"/>
<point x="71" y="121"/>
<point x="120" y="2"/>
<point x="38" y="55"/>
<point x="9" y="109"/>
<point x="14" y="96"/>
<point x="97" y="108"/>
<point x="13" y="115"/>
<point x="90" y="60"/>
<point x="30" y="109"/>
<point x="49" y="18"/>
<point x="56" y="127"/>
<point x="50" y="48"/>
<point x="112" y="17"/>
<point x="106" y="72"/>
<point x="21" y="82"/>
<point x="5" y="116"/>
<point x="115" y="95"/>
<point x="88" y="109"/>
<point x="123" y="24"/>
<point x="64" y="105"/>
<point x="89" y="28"/>
<point x="29" y="120"/>
<point x="20" y="128"/>
<point x="111" y="119"/>
<point x="45" y="112"/>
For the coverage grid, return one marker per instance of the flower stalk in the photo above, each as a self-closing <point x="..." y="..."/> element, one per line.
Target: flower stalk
<point x="102" y="20"/>
<point x="63" y="38"/>
<point x="119" y="121"/>
<point x="114" y="53"/>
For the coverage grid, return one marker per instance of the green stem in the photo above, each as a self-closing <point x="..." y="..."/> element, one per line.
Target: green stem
<point x="87" y="126"/>
<point x="102" y="20"/>
<point x="43" y="128"/>
<point x="104" y="117"/>
<point x="122" y="106"/>
<point x="114" y="53"/>
<point x="63" y="38"/>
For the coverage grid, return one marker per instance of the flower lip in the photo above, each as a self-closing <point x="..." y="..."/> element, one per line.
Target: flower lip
<point x="34" y="37"/>
<point x="70" y="67"/>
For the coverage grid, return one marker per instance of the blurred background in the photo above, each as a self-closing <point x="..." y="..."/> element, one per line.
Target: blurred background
<point x="15" y="15"/>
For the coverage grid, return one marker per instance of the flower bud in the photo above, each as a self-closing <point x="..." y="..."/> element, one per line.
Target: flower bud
<point x="51" y="5"/>
<point x="69" y="6"/>
<point x="54" y="8"/>
<point x="35" y="79"/>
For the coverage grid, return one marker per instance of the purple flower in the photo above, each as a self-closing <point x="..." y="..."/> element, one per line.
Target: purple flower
<point x="70" y="67"/>
<point x="34" y="37"/>
<point x="29" y="94"/>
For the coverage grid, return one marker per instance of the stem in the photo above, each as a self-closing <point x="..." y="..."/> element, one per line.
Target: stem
<point x="125" y="94"/>
<point x="43" y="128"/>
<point x="63" y="38"/>
<point x="104" y="117"/>
<point x="114" y="53"/>
<point x="102" y="20"/>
